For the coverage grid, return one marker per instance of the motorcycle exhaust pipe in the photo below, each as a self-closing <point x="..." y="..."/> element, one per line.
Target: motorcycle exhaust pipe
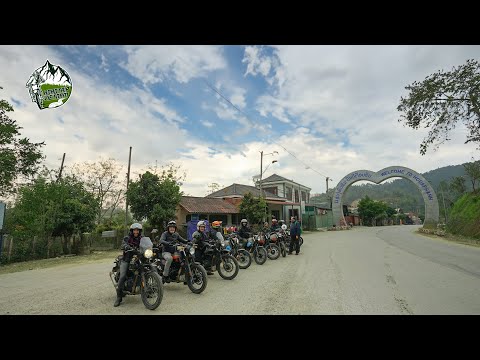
<point x="113" y="280"/>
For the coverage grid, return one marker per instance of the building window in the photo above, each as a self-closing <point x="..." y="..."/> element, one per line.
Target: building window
<point x="192" y="217"/>
<point x="296" y="196"/>
<point x="304" y="196"/>
<point x="276" y="214"/>
<point x="273" y="190"/>
<point x="222" y="218"/>
<point x="289" y="193"/>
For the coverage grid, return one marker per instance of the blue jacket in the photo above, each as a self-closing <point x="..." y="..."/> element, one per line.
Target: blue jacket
<point x="295" y="228"/>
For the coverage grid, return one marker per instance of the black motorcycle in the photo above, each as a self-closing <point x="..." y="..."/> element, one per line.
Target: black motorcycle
<point x="281" y="241"/>
<point x="217" y="257"/>
<point x="184" y="268"/>
<point x="288" y="238"/>
<point x="142" y="275"/>
<point x="243" y="256"/>
<point x="254" y="245"/>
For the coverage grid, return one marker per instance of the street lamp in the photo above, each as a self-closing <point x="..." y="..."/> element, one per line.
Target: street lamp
<point x="261" y="171"/>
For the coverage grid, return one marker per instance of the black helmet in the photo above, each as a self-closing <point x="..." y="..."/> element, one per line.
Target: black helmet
<point x="172" y="223"/>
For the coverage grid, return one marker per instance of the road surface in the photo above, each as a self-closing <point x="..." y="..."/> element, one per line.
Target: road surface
<point x="380" y="270"/>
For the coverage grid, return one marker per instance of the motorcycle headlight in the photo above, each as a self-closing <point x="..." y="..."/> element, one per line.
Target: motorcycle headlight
<point x="192" y="250"/>
<point x="148" y="253"/>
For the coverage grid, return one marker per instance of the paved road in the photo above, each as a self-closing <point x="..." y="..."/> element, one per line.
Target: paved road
<point x="383" y="270"/>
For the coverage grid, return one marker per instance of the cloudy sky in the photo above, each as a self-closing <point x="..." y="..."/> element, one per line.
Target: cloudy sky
<point x="332" y="107"/>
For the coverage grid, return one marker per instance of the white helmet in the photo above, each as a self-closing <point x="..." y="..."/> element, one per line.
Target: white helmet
<point x="136" y="226"/>
<point x="244" y="221"/>
<point x="200" y="223"/>
<point x="284" y="227"/>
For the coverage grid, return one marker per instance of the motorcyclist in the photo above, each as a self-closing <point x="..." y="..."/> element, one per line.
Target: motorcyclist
<point x="244" y="232"/>
<point x="168" y="240"/>
<point x="130" y="242"/>
<point x="200" y="238"/>
<point x="275" y="226"/>
<point x="215" y="232"/>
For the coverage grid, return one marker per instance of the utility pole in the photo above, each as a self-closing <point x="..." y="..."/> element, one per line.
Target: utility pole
<point x="261" y="170"/>
<point x="444" y="208"/>
<point x="327" y="183"/>
<point x="61" y="168"/>
<point x="261" y="176"/>
<point x="126" y="197"/>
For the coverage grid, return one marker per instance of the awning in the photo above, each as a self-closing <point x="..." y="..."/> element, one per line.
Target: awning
<point x="282" y="202"/>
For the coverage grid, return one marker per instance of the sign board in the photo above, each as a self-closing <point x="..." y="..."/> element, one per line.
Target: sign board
<point x="109" y="233"/>
<point x="2" y="214"/>
<point x="302" y="206"/>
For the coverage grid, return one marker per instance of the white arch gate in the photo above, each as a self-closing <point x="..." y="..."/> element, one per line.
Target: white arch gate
<point x="429" y="196"/>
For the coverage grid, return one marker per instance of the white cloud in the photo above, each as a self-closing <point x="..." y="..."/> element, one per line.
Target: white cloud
<point x="207" y="123"/>
<point x="342" y="99"/>
<point x="257" y="62"/>
<point x="152" y="64"/>
<point x="104" y="64"/>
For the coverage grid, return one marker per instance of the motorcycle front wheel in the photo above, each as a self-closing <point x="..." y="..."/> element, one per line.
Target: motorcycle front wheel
<point x="273" y="251"/>
<point x="260" y="255"/>
<point x="244" y="259"/>
<point x="198" y="281"/>
<point x="228" y="267"/>
<point x="152" y="291"/>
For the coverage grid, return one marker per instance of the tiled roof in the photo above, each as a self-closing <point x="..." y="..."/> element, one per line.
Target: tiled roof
<point x="278" y="178"/>
<point x="203" y="205"/>
<point x="275" y="177"/>
<point x="241" y="190"/>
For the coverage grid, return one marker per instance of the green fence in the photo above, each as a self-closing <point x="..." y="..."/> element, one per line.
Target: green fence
<point x="311" y="221"/>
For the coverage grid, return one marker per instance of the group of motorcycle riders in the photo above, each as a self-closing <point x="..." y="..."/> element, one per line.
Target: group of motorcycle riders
<point x="170" y="237"/>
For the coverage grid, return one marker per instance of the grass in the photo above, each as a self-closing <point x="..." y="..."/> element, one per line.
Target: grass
<point x="453" y="238"/>
<point x="58" y="261"/>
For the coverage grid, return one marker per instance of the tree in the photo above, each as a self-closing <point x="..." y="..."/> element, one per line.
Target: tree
<point x="253" y="208"/>
<point x="473" y="172"/>
<point x="155" y="197"/>
<point x="18" y="156"/>
<point x="105" y="181"/>
<point x="50" y="209"/>
<point x="213" y="187"/>
<point x="441" y="101"/>
<point x="370" y="210"/>
<point x="457" y="186"/>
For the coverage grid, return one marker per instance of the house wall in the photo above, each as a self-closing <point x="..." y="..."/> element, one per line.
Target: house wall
<point x="180" y="214"/>
<point x="276" y="207"/>
<point x="282" y="189"/>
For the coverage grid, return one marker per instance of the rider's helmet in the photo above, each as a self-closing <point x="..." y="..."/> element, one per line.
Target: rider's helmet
<point x="244" y="222"/>
<point x="173" y="224"/>
<point x="274" y="221"/>
<point x="201" y="223"/>
<point x="136" y="226"/>
<point x="216" y="224"/>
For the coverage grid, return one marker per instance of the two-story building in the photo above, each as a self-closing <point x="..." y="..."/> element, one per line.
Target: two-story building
<point x="284" y="198"/>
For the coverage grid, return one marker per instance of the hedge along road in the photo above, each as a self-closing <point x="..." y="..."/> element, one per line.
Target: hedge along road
<point x="381" y="270"/>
